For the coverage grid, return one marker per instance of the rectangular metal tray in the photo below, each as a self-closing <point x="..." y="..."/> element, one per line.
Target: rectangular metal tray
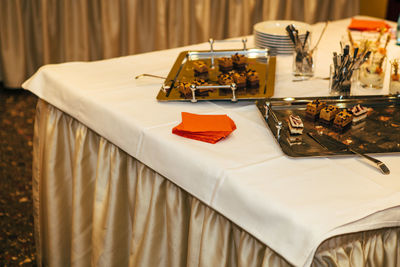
<point x="378" y="133"/>
<point x="182" y="70"/>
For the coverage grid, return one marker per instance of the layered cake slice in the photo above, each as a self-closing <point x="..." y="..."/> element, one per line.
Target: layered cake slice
<point x="200" y="69"/>
<point x="295" y="125"/>
<point x="225" y="79"/>
<point x="252" y="78"/>
<point x="184" y="88"/>
<point x="225" y="64"/>
<point x="342" y="120"/>
<point x="314" y="108"/>
<point x="239" y="61"/>
<point x="294" y="139"/>
<point x="327" y="114"/>
<point x="359" y="113"/>
<point x="239" y="79"/>
<point x="202" y="91"/>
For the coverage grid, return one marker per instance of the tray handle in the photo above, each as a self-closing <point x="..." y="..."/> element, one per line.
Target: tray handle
<point x="212" y="41"/>
<point x="278" y="123"/>
<point x="194" y="87"/>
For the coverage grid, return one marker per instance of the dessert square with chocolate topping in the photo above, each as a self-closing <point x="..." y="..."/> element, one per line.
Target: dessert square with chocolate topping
<point x="327" y="114"/>
<point x="202" y="91"/>
<point x="252" y="78"/>
<point x="200" y="66"/>
<point x="342" y="120"/>
<point x="225" y="79"/>
<point x="184" y="88"/>
<point x="200" y="69"/>
<point x="239" y="79"/>
<point x="225" y="64"/>
<point x="239" y="61"/>
<point x="313" y="108"/>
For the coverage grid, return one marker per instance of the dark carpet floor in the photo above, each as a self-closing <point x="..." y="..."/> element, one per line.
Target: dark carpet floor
<point x="17" y="110"/>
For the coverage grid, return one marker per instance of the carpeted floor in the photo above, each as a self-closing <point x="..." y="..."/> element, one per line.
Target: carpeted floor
<point x="17" y="110"/>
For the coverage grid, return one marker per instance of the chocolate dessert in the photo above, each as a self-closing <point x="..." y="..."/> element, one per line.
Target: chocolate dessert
<point x="342" y="120"/>
<point x="239" y="79"/>
<point x="184" y="89"/>
<point x="225" y="79"/>
<point x="295" y="125"/>
<point x="200" y="69"/>
<point x="313" y="109"/>
<point x="239" y="61"/>
<point x="225" y="64"/>
<point x="359" y="113"/>
<point x="327" y="114"/>
<point x="252" y="78"/>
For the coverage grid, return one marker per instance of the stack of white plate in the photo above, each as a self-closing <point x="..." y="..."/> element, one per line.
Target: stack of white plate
<point x="273" y="35"/>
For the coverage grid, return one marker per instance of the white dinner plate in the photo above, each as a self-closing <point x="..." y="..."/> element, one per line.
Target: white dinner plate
<point x="278" y="27"/>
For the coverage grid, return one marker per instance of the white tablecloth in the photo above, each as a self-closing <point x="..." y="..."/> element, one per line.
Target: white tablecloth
<point x="291" y="205"/>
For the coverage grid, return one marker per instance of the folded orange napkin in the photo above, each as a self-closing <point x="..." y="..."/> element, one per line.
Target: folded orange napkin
<point x="367" y="25"/>
<point x="206" y="128"/>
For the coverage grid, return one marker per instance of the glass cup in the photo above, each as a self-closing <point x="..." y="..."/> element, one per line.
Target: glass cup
<point x="304" y="63"/>
<point x="372" y="72"/>
<point x="304" y="60"/>
<point x="339" y="84"/>
<point x="394" y="85"/>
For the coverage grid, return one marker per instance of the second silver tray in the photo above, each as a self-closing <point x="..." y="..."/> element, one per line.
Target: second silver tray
<point x="378" y="133"/>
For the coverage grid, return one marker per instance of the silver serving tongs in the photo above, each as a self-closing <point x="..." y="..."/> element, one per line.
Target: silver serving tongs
<point x="325" y="141"/>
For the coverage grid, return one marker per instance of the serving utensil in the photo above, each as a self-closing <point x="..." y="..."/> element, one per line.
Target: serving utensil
<point x="149" y="75"/>
<point x="332" y="144"/>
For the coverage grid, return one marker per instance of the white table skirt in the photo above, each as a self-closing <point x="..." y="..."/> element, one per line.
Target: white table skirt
<point x="245" y="177"/>
<point x="97" y="206"/>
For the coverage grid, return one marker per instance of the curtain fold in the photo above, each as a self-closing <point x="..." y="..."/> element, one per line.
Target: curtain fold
<point x="38" y="32"/>
<point x="94" y="205"/>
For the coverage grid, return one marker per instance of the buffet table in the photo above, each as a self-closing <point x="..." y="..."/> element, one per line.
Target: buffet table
<point x="114" y="187"/>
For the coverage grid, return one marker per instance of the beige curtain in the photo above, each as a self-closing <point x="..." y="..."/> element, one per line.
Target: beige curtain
<point x="38" y="32"/>
<point x="94" y="205"/>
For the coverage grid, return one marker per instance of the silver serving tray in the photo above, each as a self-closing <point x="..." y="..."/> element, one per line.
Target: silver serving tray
<point x="378" y="133"/>
<point x="182" y="70"/>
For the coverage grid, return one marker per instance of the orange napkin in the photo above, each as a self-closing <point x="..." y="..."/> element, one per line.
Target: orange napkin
<point x="367" y="25"/>
<point x="206" y="128"/>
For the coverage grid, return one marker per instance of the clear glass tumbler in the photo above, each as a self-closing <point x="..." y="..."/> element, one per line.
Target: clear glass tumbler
<point x="341" y="84"/>
<point x="372" y="72"/>
<point x="304" y="61"/>
<point x="394" y="85"/>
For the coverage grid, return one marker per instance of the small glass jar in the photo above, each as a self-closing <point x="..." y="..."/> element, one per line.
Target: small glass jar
<point x="394" y="84"/>
<point x="372" y="72"/>
<point x="304" y="64"/>
<point x="304" y="61"/>
<point x="341" y="85"/>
